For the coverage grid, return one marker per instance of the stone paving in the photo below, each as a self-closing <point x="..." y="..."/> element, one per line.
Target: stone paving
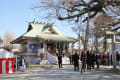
<point x="52" y="72"/>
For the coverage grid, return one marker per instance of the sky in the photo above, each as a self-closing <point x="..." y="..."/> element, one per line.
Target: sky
<point x="16" y="14"/>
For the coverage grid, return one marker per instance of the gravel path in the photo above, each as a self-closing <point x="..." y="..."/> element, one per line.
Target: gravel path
<point x="66" y="73"/>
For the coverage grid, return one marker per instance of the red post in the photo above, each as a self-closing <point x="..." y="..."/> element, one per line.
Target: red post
<point x="0" y="66"/>
<point x="7" y="65"/>
<point x="13" y="61"/>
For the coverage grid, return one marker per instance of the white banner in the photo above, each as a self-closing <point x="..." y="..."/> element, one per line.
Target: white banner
<point x="10" y="66"/>
<point x="4" y="67"/>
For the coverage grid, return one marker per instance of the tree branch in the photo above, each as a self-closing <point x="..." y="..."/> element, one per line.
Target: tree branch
<point x="91" y="16"/>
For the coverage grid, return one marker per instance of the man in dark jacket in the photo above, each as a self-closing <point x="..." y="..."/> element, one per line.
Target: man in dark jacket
<point x="60" y="61"/>
<point x="76" y="61"/>
<point x="118" y="58"/>
<point x="92" y="59"/>
<point x="88" y="60"/>
<point x="98" y="60"/>
<point x="83" y="59"/>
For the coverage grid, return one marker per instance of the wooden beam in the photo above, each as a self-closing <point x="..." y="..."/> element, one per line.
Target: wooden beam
<point x="110" y="32"/>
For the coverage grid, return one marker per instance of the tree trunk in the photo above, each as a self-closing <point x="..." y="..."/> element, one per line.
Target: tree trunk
<point x="96" y="43"/>
<point x="87" y="33"/>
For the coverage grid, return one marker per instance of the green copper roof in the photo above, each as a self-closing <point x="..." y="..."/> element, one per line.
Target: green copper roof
<point x="38" y="31"/>
<point x="55" y="37"/>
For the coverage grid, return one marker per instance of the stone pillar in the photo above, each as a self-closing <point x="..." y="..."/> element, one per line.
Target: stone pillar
<point x="114" y="53"/>
<point x="72" y="48"/>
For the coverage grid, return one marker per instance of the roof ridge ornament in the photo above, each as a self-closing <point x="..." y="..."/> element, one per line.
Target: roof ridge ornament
<point x="44" y="23"/>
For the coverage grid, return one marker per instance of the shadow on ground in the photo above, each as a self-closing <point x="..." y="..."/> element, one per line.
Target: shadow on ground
<point x="66" y="73"/>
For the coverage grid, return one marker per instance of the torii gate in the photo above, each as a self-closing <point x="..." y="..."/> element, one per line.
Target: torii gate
<point x="112" y="35"/>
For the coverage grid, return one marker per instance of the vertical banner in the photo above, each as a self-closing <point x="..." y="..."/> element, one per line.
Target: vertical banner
<point x="13" y="63"/>
<point x="7" y="66"/>
<point x="3" y="66"/>
<point x="0" y="66"/>
<point x="10" y="66"/>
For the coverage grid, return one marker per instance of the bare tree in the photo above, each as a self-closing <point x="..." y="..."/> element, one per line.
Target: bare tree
<point x="73" y="9"/>
<point x="81" y="33"/>
<point x="1" y="40"/>
<point x="8" y="37"/>
<point x="101" y="24"/>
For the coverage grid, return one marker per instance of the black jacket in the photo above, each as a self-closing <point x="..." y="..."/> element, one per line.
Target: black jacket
<point x="118" y="57"/>
<point x="59" y="59"/>
<point x="75" y="58"/>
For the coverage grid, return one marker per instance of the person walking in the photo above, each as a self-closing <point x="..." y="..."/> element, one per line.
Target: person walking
<point x="22" y="64"/>
<point x="83" y="59"/>
<point x="57" y="51"/>
<point x="98" y="60"/>
<point x="105" y="59"/>
<point x="118" y="58"/>
<point x="76" y="61"/>
<point x="60" y="61"/>
<point x="70" y="58"/>
<point x="92" y="59"/>
<point x="88" y="60"/>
